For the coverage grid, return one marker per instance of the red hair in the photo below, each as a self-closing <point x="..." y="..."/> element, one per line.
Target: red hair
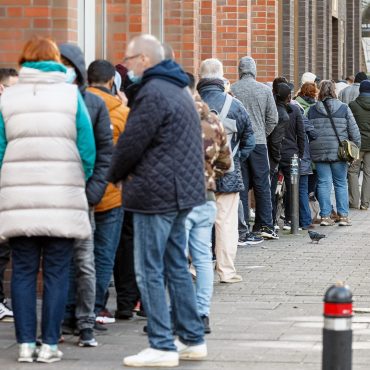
<point x="39" y="48"/>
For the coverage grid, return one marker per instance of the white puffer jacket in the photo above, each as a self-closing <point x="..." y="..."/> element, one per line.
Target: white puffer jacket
<point x="42" y="182"/>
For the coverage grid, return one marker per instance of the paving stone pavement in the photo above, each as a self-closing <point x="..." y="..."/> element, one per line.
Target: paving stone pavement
<point x="270" y="321"/>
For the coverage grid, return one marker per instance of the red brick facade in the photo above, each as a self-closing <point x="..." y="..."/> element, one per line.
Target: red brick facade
<point x="284" y="36"/>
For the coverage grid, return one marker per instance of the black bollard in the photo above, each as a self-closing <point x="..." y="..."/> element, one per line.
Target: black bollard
<point x="337" y="332"/>
<point x="294" y="194"/>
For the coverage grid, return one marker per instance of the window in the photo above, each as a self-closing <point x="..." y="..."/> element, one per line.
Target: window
<point x="156" y="19"/>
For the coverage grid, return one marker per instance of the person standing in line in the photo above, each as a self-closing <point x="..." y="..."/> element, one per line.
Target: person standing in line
<point x="324" y="151"/>
<point x="238" y="129"/>
<point x="82" y="278"/>
<point x="259" y="102"/>
<point x="361" y="111"/>
<point x="350" y="93"/>
<point x="108" y="213"/>
<point x="159" y="160"/>
<point x="47" y="153"/>
<point x="8" y="77"/>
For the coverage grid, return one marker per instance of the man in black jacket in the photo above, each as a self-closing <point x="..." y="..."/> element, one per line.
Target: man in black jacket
<point x="81" y="296"/>
<point x="159" y="159"/>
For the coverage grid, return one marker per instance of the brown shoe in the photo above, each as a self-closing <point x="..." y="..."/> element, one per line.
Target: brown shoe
<point x="327" y="221"/>
<point x="334" y="216"/>
<point x="344" y="221"/>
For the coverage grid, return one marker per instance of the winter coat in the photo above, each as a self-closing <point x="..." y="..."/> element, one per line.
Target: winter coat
<point x="275" y="139"/>
<point x="97" y="184"/>
<point x="212" y="92"/>
<point x="159" y="156"/>
<point x="294" y="137"/>
<point x="361" y="111"/>
<point x="118" y="114"/>
<point x="46" y="145"/>
<point x="325" y="147"/>
<point x="258" y="100"/>
<point x="350" y="93"/>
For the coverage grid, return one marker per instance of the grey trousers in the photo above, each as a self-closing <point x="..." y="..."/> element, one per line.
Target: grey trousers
<point x="353" y="183"/>
<point x="82" y="280"/>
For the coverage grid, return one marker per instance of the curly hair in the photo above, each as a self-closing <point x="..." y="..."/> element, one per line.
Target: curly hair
<point x="309" y="89"/>
<point x="327" y="90"/>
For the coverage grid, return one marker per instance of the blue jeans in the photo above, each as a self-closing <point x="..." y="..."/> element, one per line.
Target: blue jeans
<point x="108" y="226"/>
<point x="159" y="256"/>
<point x="304" y="207"/>
<point x="256" y="175"/>
<point x="199" y="225"/>
<point x="26" y="256"/>
<point x="327" y="175"/>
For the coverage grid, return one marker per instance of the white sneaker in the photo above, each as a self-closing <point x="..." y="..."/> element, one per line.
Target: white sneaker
<point x="197" y="352"/>
<point x="252" y="214"/>
<point x="151" y="357"/>
<point x="6" y="314"/>
<point x="48" y="355"/>
<point x="27" y="352"/>
<point x="235" y="279"/>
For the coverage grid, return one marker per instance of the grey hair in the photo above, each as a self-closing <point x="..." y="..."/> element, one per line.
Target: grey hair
<point x="149" y="46"/>
<point x="211" y="68"/>
<point x="327" y="90"/>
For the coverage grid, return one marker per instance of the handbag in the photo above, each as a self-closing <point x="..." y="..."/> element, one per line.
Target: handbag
<point x="348" y="151"/>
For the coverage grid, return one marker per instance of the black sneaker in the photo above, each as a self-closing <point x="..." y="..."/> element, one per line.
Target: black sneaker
<point x="99" y="327"/>
<point x="123" y="314"/>
<point x="207" y="328"/>
<point x="251" y="239"/>
<point x="87" y="338"/>
<point x="268" y="233"/>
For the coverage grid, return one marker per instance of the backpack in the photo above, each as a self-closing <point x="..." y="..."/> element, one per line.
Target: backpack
<point x="230" y="128"/>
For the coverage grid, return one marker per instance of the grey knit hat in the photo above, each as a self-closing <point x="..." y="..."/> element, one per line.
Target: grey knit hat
<point x="247" y="65"/>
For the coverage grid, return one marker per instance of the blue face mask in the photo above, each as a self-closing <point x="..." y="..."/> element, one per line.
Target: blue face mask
<point x="134" y="79"/>
<point x="71" y="75"/>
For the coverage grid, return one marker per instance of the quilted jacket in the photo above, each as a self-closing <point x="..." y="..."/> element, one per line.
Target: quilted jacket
<point x="159" y="156"/>
<point x="325" y="147"/>
<point x="212" y="92"/>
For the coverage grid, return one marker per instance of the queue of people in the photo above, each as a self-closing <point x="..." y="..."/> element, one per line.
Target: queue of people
<point x="141" y="171"/>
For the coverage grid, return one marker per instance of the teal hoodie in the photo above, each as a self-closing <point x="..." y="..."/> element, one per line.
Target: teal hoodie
<point x="85" y="135"/>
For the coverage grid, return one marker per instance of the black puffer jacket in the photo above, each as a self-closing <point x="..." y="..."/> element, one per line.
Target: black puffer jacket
<point x="99" y="115"/>
<point x="159" y="156"/>
<point x="275" y="139"/>
<point x="294" y="138"/>
<point x="212" y="92"/>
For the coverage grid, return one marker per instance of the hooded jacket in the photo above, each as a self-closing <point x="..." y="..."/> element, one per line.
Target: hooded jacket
<point x="325" y="147"/>
<point x="46" y="143"/>
<point x="349" y="93"/>
<point x="159" y="156"/>
<point x="97" y="184"/>
<point x="361" y="111"/>
<point x="118" y="114"/>
<point x="212" y="92"/>
<point x="257" y="99"/>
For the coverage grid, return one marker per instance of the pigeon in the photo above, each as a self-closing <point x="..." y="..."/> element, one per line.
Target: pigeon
<point x="315" y="237"/>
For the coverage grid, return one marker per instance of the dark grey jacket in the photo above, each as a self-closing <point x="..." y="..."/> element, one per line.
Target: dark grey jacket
<point x="325" y="147"/>
<point x="99" y="115"/>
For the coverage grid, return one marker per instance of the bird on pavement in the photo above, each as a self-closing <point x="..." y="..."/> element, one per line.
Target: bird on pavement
<point x="315" y="237"/>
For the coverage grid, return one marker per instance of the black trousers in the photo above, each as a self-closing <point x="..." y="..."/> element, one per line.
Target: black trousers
<point x="124" y="270"/>
<point x="4" y="259"/>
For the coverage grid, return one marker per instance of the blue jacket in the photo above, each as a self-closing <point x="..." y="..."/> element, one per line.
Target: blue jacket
<point x="212" y="92"/>
<point x="325" y="147"/>
<point x="159" y="157"/>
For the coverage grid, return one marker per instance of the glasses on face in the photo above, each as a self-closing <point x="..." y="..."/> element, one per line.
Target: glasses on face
<point x="126" y="59"/>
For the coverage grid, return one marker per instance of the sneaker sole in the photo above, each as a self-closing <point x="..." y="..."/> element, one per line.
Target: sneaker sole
<point x="49" y="360"/>
<point x="153" y="364"/>
<point x="25" y="359"/>
<point x="105" y="320"/>
<point x="194" y="356"/>
<point x="269" y="236"/>
<point x="7" y="319"/>
<point x="327" y="224"/>
<point x="340" y="224"/>
<point x="80" y="344"/>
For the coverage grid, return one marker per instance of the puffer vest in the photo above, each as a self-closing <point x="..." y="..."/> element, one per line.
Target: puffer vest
<point x="42" y="182"/>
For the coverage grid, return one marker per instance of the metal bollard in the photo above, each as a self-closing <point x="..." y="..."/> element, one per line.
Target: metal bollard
<point x="294" y="194"/>
<point x="337" y="332"/>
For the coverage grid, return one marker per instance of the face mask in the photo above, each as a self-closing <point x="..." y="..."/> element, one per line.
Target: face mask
<point x="71" y="75"/>
<point x="134" y="79"/>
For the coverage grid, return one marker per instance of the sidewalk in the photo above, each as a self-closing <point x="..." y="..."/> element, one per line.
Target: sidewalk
<point x="270" y="321"/>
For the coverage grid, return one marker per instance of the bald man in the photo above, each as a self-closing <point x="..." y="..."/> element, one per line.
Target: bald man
<point x="159" y="160"/>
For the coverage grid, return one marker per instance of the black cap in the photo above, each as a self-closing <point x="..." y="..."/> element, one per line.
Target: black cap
<point x="283" y="91"/>
<point x="360" y="76"/>
<point x="365" y="86"/>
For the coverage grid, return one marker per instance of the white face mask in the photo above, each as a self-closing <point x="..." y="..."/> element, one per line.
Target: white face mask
<point x="134" y="79"/>
<point x="71" y="75"/>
